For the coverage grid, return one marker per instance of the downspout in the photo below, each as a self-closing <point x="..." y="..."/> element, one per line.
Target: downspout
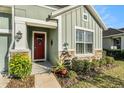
<point x="13" y="31"/>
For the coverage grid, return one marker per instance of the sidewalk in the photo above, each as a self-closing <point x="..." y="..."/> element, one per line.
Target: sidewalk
<point x="46" y="80"/>
<point x="3" y="81"/>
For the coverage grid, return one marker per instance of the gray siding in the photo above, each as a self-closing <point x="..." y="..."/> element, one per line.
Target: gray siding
<point x="32" y="11"/>
<point x="74" y="18"/>
<point x="4" y="45"/>
<point x="107" y="43"/>
<point x="5" y="21"/>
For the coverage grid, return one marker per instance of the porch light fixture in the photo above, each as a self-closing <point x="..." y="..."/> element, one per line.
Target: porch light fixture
<point x="18" y="35"/>
<point x="65" y="46"/>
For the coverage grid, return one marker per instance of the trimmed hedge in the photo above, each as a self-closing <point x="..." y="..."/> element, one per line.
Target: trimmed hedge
<point x="116" y="53"/>
<point x="20" y="65"/>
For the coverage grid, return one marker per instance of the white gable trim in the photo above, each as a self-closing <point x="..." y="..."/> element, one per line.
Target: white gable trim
<point x="48" y="7"/>
<point x="96" y="15"/>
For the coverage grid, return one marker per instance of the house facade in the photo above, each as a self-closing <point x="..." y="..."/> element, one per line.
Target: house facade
<point x="113" y="39"/>
<point x="41" y="32"/>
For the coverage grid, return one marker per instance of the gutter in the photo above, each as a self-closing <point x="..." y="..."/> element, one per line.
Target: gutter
<point x="96" y="15"/>
<point x="121" y="34"/>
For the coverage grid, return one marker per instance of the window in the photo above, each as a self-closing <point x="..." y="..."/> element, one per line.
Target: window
<point x="85" y="16"/>
<point x="117" y="42"/>
<point x="84" y="42"/>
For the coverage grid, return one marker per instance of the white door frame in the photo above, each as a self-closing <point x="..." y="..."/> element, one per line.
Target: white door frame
<point x="33" y="45"/>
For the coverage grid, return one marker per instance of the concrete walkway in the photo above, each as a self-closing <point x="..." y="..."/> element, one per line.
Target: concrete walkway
<point x="46" y="80"/>
<point x="3" y="81"/>
<point x="40" y="67"/>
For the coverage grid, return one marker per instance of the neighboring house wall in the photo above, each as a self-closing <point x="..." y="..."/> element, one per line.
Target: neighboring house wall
<point x="74" y="18"/>
<point x="107" y="43"/>
<point x="122" y="42"/>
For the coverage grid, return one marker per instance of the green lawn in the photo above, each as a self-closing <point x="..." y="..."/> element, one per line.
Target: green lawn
<point x="113" y="78"/>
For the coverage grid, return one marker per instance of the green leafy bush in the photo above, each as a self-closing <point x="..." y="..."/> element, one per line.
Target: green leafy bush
<point x="95" y="64"/>
<point x="87" y="66"/>
<point x="20" y="65"/>
<point x="102" y="62"/>
<point x="109" y="60"/>
<point x="116" y="53"/>
<point x="82" y="66"/>
<point x="77" y="65"/>
<point x="72" y="74"/>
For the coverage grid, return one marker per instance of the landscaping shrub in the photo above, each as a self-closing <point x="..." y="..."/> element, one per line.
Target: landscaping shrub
<point x="116" y="53"/>
<point x="109" y="60"/>
<point x="102" y="62"/>
<point x="82" y="66"/>
<point x="72" y="74"/>
<point x="77" y="65"/>
<point x="95" y="64"/>
<point x="87" y="66"/>
<point x="20" y="65"/>
<point x="60" y="68"/>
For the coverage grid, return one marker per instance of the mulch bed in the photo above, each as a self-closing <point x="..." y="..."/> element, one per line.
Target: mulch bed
<point x="67" y="82"/>
<point x="28" y="82"/>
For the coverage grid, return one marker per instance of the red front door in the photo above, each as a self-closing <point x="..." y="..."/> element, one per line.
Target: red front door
<point x="39" y="46"/>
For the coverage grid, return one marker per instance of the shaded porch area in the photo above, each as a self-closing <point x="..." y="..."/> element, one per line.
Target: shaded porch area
<point x="41" y="67"/>
<point x="51" y="49"/>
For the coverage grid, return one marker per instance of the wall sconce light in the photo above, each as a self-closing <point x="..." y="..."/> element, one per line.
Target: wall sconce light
<point x="18" y="35"/>
<point x="65" y="46"/>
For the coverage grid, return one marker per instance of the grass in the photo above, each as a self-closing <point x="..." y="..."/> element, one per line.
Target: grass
<point x="112" y="78"/>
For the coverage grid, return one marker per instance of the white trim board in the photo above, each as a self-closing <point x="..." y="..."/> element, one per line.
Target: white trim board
<point x="35" y="22"/>
<point x="59" y="32"/>
<point x="33" y="45"/>
<point x="4" y="30"/>
<point x="48" y="7"/>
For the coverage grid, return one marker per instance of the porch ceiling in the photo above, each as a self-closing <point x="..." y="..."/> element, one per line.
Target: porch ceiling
<point x="35" y="22"/>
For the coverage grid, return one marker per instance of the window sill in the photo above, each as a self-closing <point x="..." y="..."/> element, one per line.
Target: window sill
<point x="85" y="55"/>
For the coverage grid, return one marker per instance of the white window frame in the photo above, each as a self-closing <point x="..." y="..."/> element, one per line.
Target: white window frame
<point x="85" y="14"/>
<point x="90" y="30"/>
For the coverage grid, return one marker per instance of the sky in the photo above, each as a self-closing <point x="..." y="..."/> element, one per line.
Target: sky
<point x="112" y="15"/>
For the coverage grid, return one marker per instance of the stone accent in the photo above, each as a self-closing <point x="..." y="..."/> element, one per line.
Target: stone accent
<point x="97" y="55"/>
<point x="22" y="52"/>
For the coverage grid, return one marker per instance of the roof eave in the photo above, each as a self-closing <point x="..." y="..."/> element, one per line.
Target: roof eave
<point x="97" y="17"/>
